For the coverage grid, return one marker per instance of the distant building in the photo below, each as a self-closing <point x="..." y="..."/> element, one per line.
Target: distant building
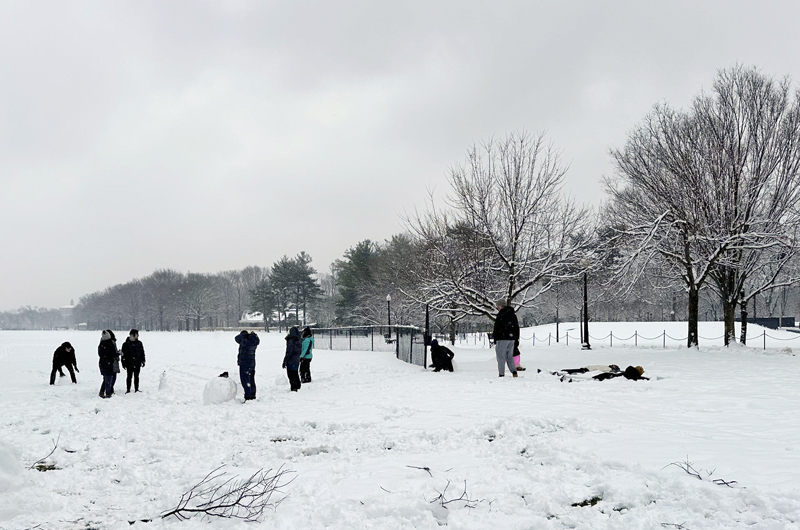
<point x="252" y="319"/>
<point x="66" y="311"/>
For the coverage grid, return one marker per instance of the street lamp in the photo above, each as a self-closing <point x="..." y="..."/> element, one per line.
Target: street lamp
<point x="389" y="313"/>
<point x="585" y="345"/>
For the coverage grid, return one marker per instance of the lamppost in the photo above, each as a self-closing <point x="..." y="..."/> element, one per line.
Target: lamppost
<point x="389" y="313"/>
<point x="585" y="345"/>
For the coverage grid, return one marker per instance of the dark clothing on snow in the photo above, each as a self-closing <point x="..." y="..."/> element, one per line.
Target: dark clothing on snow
<point x="248" y="378"/>
<point x="306" y="353"/>
<point x="294" y="379"/>
<point x="132" y="354"/>
<point x="133" y="373"/>
<point x="305" y="370"/>
<point x="248" y="342"/>
<point x="247" y="349"/>
<point x="62" y="357"/>
<point x="293" y="348"/>
<point x="441" y="357"/>
<point x="506" y="326"/>
<point x="291" y="361"/>
<point x="108" y="354"/>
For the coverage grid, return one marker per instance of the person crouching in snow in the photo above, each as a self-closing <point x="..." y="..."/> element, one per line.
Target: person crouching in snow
<point x="64" y="356"/>
<point x="133" y="359"/>
<point x="248" y="342"/>
<point x="441" y="357"/>
<point x="291" y="361"/>
<point x="109" y="362"/>
<point x="306" y="354"/>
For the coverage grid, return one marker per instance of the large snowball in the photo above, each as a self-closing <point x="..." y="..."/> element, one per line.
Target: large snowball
<point x="219" y="390"/>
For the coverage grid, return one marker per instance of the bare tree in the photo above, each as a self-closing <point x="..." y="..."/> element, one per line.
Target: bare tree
<point x="508" y="232"/>
<point x="712" y="190"/>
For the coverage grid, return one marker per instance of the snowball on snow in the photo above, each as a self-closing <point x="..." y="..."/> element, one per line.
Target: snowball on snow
<point x="219" y="390"/>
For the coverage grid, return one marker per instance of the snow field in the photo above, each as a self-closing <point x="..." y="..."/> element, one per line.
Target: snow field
<point x="519" y="452"/>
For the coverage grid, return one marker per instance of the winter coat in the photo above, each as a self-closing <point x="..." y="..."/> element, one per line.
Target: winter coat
<point x="247" y="349"/>
<point x="441" y="357"/>
<point x="293" y="347"/>
<point x="506" y="326"/>
<point x="132" y="354"/>
<point x="62" y="357"/>
<point x="108" y="353"/>
<point x="306" y="352"/>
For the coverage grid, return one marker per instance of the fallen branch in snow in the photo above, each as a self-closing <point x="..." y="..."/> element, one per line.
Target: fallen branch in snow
<point x="678" y="526"/>
<point x="443" y="501"/>
<point x="423" y="468"/>
<point x="40" y="465"/>
<point x="237" y="499"/>
<point x="688" y="467"/>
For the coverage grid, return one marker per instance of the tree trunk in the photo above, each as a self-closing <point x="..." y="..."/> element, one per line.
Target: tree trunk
<point x="729" y="315"/>
<point x="743" y="336"/>
<point x="694" y="311"/>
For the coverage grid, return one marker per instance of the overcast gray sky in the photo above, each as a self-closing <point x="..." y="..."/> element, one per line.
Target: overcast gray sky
<point x="208" y="136"/>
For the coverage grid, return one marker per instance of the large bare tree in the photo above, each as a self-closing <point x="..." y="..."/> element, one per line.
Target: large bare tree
<point x="506" y="230"/>
<point x="712" y="190"/>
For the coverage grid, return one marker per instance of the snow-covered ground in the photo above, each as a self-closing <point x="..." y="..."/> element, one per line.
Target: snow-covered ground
<point x="531" y="452"/>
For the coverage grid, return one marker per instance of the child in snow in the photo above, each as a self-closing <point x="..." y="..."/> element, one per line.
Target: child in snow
<point x="291" y="361"/>
<point x="64" y="356"/>
<point x="306" y="354"/>
<point x="133" y="359"/>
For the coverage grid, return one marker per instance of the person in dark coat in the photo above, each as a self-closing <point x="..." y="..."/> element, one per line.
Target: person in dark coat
<point x="441" y="357"/>
<point x="64" y="356"/>
<point x="306" y="354"/>
<point x="133" y="359"/>
<point x="109" y="362"/>
<point x="291" y="361"/>
<point x="248" y="342"/>
<point x="506" y="334"/>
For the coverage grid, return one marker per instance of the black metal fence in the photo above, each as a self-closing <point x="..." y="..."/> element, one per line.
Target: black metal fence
<point x="407" y="342"/>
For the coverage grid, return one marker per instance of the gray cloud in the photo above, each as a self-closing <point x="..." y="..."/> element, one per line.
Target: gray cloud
<point x="207" y="136"/>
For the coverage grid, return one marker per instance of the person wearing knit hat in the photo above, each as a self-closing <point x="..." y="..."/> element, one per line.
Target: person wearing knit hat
<point x="506" y="334"/>
<point x="109" y="362"/>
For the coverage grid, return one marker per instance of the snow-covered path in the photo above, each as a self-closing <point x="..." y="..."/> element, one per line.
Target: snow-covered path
<point x="520" y="451"/>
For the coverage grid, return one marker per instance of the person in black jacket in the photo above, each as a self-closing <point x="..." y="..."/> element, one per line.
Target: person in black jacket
<point x="64" y="356"/>
<point x="109" y="362"/>
<point x="291" y="361"/>
<point x="132" y="359"/>
<point x="441" y="357"/>
<point x="248" y="342"/>
<point x="506" y="334"/>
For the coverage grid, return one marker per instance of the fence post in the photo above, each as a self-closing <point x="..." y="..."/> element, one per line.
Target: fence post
<point x="330" y="335"/>
<point x="350" y="336"/>
<point x="427" y="336"/>
<point x="548" y="337"/>
<point x="635" y="338"/>
<point x="665" y="338"/>
<point x="567" y="338"/>
<point x="372" y="336"/>
<point x="611" y="339"/>
<point x="765" y="340"/>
